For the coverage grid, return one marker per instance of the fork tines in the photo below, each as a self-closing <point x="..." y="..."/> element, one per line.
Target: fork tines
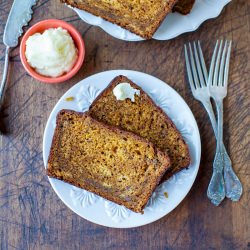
<point x="218" y="73"/>
<point x="196" y="67"/>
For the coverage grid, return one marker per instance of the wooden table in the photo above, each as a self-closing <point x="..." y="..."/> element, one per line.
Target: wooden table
<point x="31" y="214"/>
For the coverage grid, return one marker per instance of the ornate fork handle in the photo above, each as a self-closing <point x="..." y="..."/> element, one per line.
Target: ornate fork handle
<point x="216" y="188"/>
<point x="232" y="183"/>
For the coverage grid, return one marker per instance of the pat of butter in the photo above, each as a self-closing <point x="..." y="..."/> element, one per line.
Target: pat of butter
<point x="124" y="90"/>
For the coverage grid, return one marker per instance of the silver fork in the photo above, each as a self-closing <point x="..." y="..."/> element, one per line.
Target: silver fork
<point x="198" y="79"/>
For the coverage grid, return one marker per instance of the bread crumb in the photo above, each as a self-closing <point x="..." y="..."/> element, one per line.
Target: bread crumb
<point x="166" y="194"/>
<point x="70" y="99"/>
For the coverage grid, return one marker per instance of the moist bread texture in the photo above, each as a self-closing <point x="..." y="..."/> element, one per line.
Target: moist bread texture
<point x="140" y="17"/>
<point x="144" y="118"/>
<point x="117" y="165"/>
<point x="183" y="6"/>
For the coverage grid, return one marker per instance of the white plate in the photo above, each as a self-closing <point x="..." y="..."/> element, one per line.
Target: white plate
<point x="103" y="212"/>
<point x="174" y="24"/>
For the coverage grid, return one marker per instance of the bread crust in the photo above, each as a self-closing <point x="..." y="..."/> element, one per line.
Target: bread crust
<point x="108" y="17"/>
<point x="122" y="78"/>
<point x="55" y="144"/>
<point x="183" y="6"/>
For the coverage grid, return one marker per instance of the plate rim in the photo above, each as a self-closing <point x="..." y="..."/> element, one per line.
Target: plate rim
<point x="125" y="72"/>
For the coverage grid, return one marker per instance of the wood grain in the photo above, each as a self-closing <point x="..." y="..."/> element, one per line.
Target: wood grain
<point x="31" y="214"/>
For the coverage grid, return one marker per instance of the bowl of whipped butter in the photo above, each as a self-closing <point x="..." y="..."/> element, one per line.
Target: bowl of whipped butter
<point x="52" y="51"/>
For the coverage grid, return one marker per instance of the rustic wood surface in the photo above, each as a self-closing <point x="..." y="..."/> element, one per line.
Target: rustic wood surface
<point x="31" y="214"/>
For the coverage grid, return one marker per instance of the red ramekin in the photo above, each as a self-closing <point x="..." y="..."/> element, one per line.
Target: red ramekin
<point x="40" y="27"/>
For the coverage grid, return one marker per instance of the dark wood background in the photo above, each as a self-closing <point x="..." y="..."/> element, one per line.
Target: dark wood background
<point x="31" y="214"/>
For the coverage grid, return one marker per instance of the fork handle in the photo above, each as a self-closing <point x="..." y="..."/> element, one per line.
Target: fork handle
<point x="219" y="108"/>
<point x="216" y="188"/>
<point x="4" y="79"/>
<point x="232" y="183"/>
<point x="208" y="106"/>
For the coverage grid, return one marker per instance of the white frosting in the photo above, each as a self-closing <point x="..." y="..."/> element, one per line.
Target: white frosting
<point x="124" y="90"/>
<point x="51" y="53"/>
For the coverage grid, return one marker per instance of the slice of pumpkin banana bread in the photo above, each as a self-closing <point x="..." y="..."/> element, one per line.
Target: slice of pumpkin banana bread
<point x="144" y="118"/>
<point x="140" y="17"/>
<point x="117" y="165"/>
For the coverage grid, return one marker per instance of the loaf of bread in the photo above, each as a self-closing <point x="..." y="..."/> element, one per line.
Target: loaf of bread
<point x="144" y="118"/>
<point x="117" y="165"/>
<point x="140" y="17"/>
<point x="184" y="6"/>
